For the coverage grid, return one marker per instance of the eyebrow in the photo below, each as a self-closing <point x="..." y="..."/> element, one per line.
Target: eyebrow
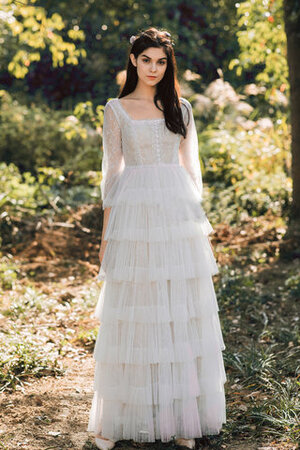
<point x="150" y="58"/>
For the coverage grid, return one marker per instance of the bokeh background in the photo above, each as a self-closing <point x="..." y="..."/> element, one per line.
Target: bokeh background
<point x="59" y="64"/>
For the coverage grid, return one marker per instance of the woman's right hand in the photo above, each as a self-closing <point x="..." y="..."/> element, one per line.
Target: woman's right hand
<point x="102" y="250"/>
<point x="103" y="242"/>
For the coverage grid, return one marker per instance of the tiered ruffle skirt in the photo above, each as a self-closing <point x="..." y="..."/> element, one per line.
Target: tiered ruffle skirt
<point x="159" y="369"/>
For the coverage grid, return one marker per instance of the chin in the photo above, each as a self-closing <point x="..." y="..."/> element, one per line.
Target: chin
<point x="152" y="81"/>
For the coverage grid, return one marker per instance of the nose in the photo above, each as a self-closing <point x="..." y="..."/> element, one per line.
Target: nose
<point x="153" y="67"/>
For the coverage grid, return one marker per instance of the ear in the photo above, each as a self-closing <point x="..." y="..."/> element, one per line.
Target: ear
<point x="133" y="59"/>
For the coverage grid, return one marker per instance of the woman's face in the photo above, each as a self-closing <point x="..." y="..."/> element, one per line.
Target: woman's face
<point x="152" y="62"/>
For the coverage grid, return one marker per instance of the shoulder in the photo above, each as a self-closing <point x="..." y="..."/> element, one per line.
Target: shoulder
<point x="111" y="103"/>
<point x="186" y="109"/>
<point x="185" y="102"/>
<point x="111" y="112"/>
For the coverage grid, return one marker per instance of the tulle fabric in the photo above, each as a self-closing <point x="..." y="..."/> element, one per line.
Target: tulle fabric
<point x="159" y="229"/>
<point x="159" y="370"/>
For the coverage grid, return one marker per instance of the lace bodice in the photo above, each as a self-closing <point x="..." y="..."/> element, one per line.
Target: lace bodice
<point x="128" y="141"/>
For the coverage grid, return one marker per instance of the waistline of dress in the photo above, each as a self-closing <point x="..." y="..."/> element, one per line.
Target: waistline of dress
<point x="138" y="166"/>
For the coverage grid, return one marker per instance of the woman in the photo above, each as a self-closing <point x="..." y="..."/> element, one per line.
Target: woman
<point x="159" y="369"/>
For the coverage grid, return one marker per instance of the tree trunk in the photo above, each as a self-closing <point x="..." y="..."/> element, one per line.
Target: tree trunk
<point x="292" y="30"/>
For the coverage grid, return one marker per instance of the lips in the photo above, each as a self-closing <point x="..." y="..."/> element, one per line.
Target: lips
<point x="150" y="76"/>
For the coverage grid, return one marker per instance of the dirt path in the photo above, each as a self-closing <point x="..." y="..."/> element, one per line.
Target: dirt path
<point x="51" y="413"/>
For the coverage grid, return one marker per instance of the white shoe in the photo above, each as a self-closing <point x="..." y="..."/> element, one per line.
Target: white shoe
<point x="104" y="444"/>
<point x="189" y="443"/>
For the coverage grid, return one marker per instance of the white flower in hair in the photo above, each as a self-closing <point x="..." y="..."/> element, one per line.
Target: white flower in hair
<point x="132" y="39"/>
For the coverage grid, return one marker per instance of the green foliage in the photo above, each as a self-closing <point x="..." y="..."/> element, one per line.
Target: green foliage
<point x="293" y="283"/>
<point x="279" y="414"/>
<point x="253" y="364"/>
<point x="84" y="112"/>
<point x="8" y="272"/>
<point x="24" y="356"/>
<point x="233" y="153"/>
<point x="88" y="337"/>
<point x="262" y="43"/>
<point x="32" y="30"/>
<point x="25" y="195"/>
<point x="20" y="192"/>
<point x="262" y="339"/>
<point x="29" y="350"/>
<point x="245" y="158"/>
<point x="35" y="136"/>
<point x="245" y="172"/>
<point x="108" y="26"/>
<point x="30" y="301"/>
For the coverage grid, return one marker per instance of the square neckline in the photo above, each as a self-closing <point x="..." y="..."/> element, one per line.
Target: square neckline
<point x="136" y="120"/>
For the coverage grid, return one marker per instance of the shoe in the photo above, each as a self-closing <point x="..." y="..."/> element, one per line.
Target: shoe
<point x="189" y="443"/>
<point x="104" y="444"/>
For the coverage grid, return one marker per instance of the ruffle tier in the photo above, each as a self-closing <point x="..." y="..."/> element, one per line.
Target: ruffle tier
<point x="156" y="302"/>
<point x="139" y="261"/>
<point x="141" y="343"/>
<point x="186" y="418"/>
<point x="150" y="184"/>
<point x="145" y="402"/>
<point x="159" y="368"/>
<point x="157" y="228"/>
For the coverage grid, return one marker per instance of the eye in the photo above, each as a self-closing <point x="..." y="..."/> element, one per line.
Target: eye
<point x="160" y="62"/>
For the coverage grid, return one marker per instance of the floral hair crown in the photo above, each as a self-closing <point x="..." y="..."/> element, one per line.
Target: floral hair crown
<point x="166" y="33"/>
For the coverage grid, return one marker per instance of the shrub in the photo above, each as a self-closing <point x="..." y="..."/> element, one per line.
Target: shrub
<point x="36" y="136"/>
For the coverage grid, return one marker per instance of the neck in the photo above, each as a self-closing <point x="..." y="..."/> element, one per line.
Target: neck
<point x="145" y="92"/>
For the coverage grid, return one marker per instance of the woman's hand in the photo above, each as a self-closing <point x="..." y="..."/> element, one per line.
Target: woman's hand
<point x="104" y="242"/>
<point x="102" y="250"/>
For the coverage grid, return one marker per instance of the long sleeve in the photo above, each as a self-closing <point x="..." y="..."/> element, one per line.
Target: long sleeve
<point x="112" y="159"/>
<point x="188" y="150"/>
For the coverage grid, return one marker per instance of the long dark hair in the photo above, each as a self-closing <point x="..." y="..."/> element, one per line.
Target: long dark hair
<point x="168" y="89"/>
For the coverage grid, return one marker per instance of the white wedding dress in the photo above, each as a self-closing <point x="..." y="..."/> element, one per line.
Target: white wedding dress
<point x="159" y="369"/>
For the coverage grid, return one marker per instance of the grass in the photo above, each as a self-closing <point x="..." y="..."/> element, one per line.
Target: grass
<point x="262" y="356"/>
<point x="39" y="332"/>
<point x="26" y="356"/>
